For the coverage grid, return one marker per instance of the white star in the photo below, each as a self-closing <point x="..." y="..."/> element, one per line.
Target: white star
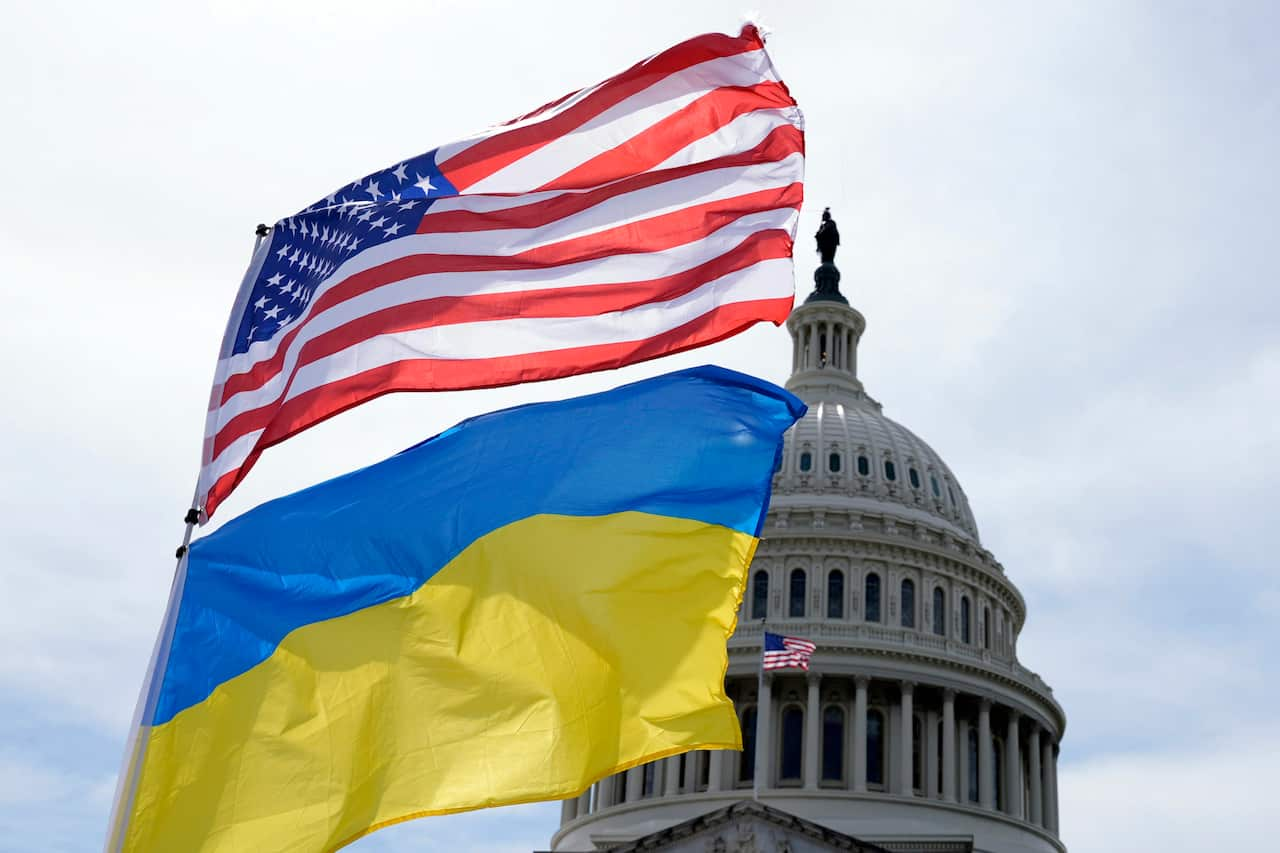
<point x="391" y="232"/>
<point x="288" y="318"/>
<point x="275" y="280"/>
<point x="425" y="184"/>
<point x="324" y="238"/>
<point x="408" y="205"/>
<point x="293" y="259"/>
<point x="280" y="254"/>
<point x="293" y="227"/>
<point x="332" y="197"/>
<point x="287" y="289"/>
<point x="395" y="198"/>
<point x="379" y="222"/>
<point x="253" y="330"/>
<point x="315" y="232"/>
<point x="398" y="171"/>
<point x="373" y="190"/>
<point x="297" y="294"/>
<point x="355" y="241"/>
<point x="273" y="313"/>
<point x="367" y="215"/>
<point x="261" y="303"/>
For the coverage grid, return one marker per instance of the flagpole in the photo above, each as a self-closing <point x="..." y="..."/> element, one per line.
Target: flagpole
<point x="135" y="748"/>
<point x="755" y="775"/>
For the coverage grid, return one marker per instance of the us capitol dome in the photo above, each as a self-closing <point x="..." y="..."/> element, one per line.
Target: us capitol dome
<point x="915" y="728"/>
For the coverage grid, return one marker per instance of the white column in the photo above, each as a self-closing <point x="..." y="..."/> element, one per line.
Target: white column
<point x="671" y="775"/>
<point x="986" y="792"/>
<point x="1013" y="764"/>
<point x="906" y="741"/>
<point x="604" y="792"/>
<point x="812" y="726"/>
<point x="813" y="346"/>
<point x="930" y="748"/>
<point x="584" y="803"/>
<point x="1036" y="797"/>
<point x="764" y="744"/>
<point x="949" y="745"/>
<point x="635" y="784"/>
<point x="716" y="772"/>
<point x="1053" y="790"/>
<point x="568" y="810"/>
<point x="860" y="733"/>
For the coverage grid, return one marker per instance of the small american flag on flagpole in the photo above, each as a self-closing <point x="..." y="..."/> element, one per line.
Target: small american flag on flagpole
<point x="782" y="652"/>
<point x="648" y="214"/>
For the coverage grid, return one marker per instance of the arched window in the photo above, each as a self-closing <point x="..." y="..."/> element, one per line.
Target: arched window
<point x="917" y="754"/>
<point x="795" y="597"/>
<point x="864" y="466"/>
<point x="875" y="747"/>
<point x="933" y="481"/>
<point x="973" y="765"/>
<point x="832" y="744"/>
<point x="997" y="772"/>
<point x="760" y="595"/>
<point x="890" y="472"/>
<point x="833" y="463"/>
<point x="806" y="461"/>
<point x="939" y="611"/>
<point x="649" y="779"/>
<point x="835" y="594"/>
<point x="986" y="627"/>
<point x="872" y="597"/>
<point x="792" y="744"/>
<point x="747" y="760"/>
<point x="966" y="635"/>
<point x="951" y="494"/>
<point x="908" y="602"/>
<point x="914" y="476"/>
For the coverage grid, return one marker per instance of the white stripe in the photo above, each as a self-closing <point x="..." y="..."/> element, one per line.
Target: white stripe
<point x="625" y="120"/>
<point x="742" y="134"/>
<point x="612" y="269"/>
<point x="495" y="339"/>
<point x="705" y="187"/>
<point x="231" y="458"/>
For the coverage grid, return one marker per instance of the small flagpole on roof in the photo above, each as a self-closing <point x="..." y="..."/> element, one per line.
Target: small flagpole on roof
<point x="135" y="748"/>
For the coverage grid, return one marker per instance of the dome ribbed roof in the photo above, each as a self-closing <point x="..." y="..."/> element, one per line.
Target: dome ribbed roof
<point x="871" y="449"/>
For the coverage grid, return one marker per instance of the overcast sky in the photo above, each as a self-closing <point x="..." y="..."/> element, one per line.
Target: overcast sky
<point x="1059" y="220"/>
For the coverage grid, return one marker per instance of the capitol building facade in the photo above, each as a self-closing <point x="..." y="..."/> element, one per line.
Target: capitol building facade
<point x="916" y="728"/>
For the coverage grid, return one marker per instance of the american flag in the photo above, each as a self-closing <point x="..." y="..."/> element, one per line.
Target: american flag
<point x="652" y="213"/>
<point x="781" y="652"/>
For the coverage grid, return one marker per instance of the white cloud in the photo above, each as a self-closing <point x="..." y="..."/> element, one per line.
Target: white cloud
<point x="1200" y="794"/>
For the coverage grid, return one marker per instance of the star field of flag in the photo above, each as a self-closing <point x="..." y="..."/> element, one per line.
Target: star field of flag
<point x="308" y="247"/>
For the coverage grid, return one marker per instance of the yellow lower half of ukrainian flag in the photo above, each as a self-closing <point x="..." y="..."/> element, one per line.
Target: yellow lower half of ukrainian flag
<point x="549" y="653"/>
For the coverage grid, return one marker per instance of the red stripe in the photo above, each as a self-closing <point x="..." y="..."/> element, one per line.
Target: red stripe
<point x="326" y="401"/>
<point x="581" y="301"/>
<point x="655" y="234"/>
<point x="500" y="150"/>
<point x="782" y="142"/>
<point x="694" y="121"/>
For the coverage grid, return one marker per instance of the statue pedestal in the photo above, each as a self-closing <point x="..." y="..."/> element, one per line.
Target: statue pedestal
<point x="826" y="280"/>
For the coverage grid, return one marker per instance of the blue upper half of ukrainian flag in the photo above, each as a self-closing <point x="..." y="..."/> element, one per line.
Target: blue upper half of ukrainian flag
<point x="697" y="445"/>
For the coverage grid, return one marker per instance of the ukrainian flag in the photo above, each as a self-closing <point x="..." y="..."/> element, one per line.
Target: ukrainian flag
<point x="507" y="612"/>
